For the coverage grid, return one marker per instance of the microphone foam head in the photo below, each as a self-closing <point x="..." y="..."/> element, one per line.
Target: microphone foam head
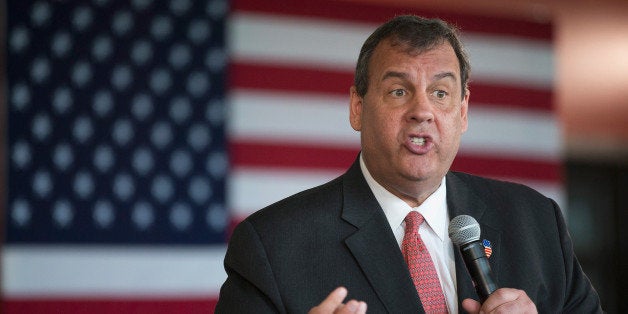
<point x="464" y="229"/>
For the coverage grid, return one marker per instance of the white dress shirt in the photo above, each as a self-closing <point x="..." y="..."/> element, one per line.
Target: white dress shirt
<point x="433" y="231"/>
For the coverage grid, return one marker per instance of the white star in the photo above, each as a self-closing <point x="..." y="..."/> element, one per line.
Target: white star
<point x="20" y="38"/>
<point x="62" y="156"/>
<point x="200" y="190"/>
<point x="181" y="216"/>
<point x="42" y="184"/>
<point x="103" y="158"/>
<point x="21" y="212"/>
<point x="62" y="213"/>
<point x="122" y="131"/>
<point x="161" y="134"/>
<point x="198" y="31"/>
<point x="180" y="109"/>
<point x="123" y="186"/>
<point x="199" y="137"/>
<point x="143" y="215"/>
<point x="122" y="23"/>
<point x="21" y="154"/>
<point x="197" y="84"/>
<point x="162" y="188"/>
<point x="216" y="217"/>
<point x="83" y="184"/>
<point x="103" y="103"/>
<point x="62" y="100"/>
<point x="61" y="44"/>
<point x="103" y="214"/>
<point x="142" y="161"/>
<point x="41" y="126"/>
<point x="181" y="163"/>
<point x="82" y="18"/>
<point x="161" y="27"/>
<point x="217" y="164"/>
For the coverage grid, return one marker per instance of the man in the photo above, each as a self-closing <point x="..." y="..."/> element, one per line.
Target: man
<point x="409" y="103"/>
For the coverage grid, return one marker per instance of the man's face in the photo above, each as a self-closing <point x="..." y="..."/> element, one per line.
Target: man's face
<point x="411" y="118"/>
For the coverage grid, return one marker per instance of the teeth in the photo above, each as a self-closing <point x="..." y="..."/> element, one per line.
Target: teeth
<point x="418" y="140"/>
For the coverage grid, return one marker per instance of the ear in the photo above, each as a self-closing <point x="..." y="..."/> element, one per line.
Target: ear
<point x="464" y="109"/>
<point x="355" y="109"/>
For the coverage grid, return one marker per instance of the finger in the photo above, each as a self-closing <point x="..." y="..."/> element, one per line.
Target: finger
<point x="471" y="306"/>
<point x="352" y="307"/>
<point x="499" y="297"/>
<point x="362" y="308"/>
<point x="507" y="300"/>
<point x="332" y="302"/>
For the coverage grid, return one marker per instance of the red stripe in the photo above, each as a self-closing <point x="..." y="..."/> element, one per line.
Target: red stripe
<point x="511" y="96"/>
<point x="290" y="156"/>
<point x="107" y="306"/>
<point x="303" y="79"/>
<point x="375" y="13"/>
<point x="503" y="167"/>
<point x="273" y="155"/>
<point x="293" y="78"/>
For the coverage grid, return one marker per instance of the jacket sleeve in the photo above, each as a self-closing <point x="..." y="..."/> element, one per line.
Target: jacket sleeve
<point x="250" y="286"/>
<point x="580" y="296"/>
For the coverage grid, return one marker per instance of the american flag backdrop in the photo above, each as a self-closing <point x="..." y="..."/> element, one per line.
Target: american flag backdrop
<point x="140" y="132"/>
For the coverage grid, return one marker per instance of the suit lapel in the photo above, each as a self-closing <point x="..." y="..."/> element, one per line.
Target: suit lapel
<point x="463" y="200"/>
<point x="374" y="246"/>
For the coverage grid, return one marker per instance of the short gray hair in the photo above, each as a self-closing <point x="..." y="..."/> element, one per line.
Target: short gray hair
<point x="419" y="34"/>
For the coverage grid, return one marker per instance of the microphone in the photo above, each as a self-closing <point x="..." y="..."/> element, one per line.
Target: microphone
<point x="464" y="232"/>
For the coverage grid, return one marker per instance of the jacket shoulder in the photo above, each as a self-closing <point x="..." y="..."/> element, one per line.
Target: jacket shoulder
<point x="497" y="188"/>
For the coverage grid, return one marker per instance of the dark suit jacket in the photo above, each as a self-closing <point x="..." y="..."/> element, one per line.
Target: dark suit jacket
<point x="288" y="257"/>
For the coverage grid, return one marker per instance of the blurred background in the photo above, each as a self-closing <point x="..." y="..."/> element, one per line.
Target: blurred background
<point x="137" y="134"/>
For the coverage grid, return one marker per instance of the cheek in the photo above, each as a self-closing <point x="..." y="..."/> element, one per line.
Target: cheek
<point x="452" y="127"/>
<point x="388" y="125"/>
<point x="382" y="121"/>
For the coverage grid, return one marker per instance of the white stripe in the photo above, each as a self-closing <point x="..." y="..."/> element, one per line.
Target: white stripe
<point x="315" y="119"/>
<point x="251" y="189"/>
<point x="285" y="40"/>
<point x="112" y="271"/>
<point x="517" y="61"/>
<point x="298" y="118"/>
<point x="334" y="44"/>
<point x="512" y="132"/>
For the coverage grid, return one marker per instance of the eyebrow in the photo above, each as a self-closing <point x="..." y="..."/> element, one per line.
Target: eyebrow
<point x="394" y="74"/>
<point x="443" y="75"/>
<point x="402" y="75"/>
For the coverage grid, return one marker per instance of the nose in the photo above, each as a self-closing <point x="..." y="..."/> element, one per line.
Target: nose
<point x="420" y="109"/>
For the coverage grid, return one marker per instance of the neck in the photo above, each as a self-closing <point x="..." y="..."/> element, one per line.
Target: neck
<point x="413" y="196"/>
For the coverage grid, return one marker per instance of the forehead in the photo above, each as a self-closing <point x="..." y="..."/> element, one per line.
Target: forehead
<point x="388" y="54"/>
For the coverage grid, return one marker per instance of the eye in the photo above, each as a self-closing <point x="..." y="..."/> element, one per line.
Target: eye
<point x="440" y="94"/>
<point x="398" y="92"/>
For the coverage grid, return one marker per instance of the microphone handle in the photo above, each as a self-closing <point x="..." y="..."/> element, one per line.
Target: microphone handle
<point x="479" y="268"/>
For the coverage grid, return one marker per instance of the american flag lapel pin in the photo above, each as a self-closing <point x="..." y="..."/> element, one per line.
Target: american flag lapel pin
<point x="487" y="248"/>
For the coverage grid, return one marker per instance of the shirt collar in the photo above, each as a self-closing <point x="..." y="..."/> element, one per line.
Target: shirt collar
<point x="433" y="209"/>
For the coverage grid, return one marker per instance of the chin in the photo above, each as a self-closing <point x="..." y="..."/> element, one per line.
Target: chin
<point x="420" y="175"/>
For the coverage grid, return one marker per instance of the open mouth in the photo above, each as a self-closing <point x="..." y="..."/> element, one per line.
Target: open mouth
<point x="418" y="140"/>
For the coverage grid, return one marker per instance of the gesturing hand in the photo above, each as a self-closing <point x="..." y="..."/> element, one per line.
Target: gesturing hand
<point x="504" y="300"/>
<point x="333" y="304"/>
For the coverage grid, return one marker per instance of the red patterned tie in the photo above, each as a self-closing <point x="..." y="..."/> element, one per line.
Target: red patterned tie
<point x="421" y="266"/>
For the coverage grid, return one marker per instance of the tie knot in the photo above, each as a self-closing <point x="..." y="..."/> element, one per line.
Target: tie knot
<point x="413" y="220"/>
